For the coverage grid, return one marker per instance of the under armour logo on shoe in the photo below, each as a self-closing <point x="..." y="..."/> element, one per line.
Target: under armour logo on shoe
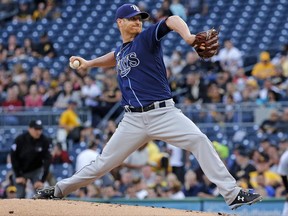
<point x="241" y="198"/>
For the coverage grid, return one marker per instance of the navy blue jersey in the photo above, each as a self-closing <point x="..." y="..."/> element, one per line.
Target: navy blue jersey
<point x="141" y="71"/>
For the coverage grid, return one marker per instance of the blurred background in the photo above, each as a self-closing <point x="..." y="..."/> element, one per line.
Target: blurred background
<point x="237" y="98"/>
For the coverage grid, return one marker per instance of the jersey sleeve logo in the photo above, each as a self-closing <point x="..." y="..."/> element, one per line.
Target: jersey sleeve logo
<point x="125" y="64"/>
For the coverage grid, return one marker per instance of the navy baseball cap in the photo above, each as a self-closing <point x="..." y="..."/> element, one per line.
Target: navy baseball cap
<point x="130" y="10"/>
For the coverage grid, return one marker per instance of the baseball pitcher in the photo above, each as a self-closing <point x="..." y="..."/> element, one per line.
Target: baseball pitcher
<point x="150" y="113"/>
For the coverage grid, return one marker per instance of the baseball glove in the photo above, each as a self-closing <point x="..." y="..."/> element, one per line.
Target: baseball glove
<point x="206" y="43"/>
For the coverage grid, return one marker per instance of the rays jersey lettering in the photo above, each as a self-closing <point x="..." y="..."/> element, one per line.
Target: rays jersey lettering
<point x="141" y="71"/>
<point x="125" y="64"/>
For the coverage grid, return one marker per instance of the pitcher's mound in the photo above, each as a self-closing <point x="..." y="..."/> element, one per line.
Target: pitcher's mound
<point x="29" y="207"/>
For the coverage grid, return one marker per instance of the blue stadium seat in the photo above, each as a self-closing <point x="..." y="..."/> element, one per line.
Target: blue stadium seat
<point x="61" y="171"/>
<point x="4" y="171"/>
<point x="3" y="154"/>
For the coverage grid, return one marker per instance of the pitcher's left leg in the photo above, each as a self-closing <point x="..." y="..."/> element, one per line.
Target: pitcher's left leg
<point x="178" y="130"/>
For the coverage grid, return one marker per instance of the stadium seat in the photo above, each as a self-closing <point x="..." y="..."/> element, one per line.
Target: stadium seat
<point x="61" y="171"/>
<point x="4" y="170"/>
<point x="3" y="154"/>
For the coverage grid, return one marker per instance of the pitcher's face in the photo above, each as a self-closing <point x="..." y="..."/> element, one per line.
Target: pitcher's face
<point x="131" y="25"/>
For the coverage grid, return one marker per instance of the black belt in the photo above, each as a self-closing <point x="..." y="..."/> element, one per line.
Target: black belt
<point x="144" y="109"/>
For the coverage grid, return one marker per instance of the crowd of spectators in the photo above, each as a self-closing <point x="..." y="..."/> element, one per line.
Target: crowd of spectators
<point x="145" y="175"/>
<point x="29" y="10"/>
<point x="163" y="171"/>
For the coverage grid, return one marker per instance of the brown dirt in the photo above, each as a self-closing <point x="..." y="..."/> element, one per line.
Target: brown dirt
<point x="30" y="207"/>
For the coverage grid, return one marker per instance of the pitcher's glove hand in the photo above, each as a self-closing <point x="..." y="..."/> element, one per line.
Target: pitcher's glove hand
<point x="206" y="43"/>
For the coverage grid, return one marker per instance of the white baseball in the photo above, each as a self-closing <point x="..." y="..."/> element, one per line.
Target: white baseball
<point x="75" y="64"/>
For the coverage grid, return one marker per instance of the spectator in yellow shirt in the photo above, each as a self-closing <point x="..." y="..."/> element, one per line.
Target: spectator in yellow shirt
<point x="69" y="123"/>
<point x="262" y="168"/>
<point x="157" y="159"/>
<point x="264" y="68"/>
<point x="69" y="119"/>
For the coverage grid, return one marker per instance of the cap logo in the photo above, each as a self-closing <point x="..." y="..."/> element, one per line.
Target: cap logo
<point x="38" y="122"/>
<point x="135" y="8"/>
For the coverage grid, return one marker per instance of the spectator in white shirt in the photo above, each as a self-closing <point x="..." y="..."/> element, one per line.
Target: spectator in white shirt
<point x="90" y="91"/>
<point x="229" y="57"/>
<point x="136" y="161"/>
<point x="177" y="161"/>
<point x="87" y="156"/>
<point x="177" y="8"/>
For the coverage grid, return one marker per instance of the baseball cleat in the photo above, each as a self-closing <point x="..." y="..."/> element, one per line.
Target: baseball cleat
<point x="45" y="193"/>
<point x="245" y="198"/>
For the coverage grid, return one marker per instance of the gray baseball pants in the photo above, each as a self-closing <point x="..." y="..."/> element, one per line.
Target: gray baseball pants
<point x="168" y="124"/>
